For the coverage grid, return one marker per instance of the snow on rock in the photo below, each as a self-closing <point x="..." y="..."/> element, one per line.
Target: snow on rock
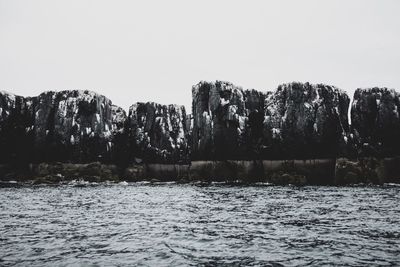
<point x="158" y="133"/>
<point x="376" y="122"/>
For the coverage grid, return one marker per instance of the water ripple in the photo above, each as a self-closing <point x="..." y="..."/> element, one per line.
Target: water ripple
<point x="172" y="225"/>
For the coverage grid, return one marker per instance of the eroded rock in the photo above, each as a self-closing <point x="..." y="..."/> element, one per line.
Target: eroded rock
<point x="305" y="121"/>
<point x="227" y="121"/>
<point x="157" y="133"/>
<point x="376" y="122"/>
<point x="76" y="126"/>
<point x="16" y="128"/>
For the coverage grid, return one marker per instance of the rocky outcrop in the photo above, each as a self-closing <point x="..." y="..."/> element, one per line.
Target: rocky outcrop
<point x="73" y="126"/>
<point x="76" y="126"/>
<point x="157" y="133"/>
<point x="297" y="134"/>
<point x="227" y="121"/>
<point x="305" y="121"/>
<point x="295" y="121"/>
<point x="376" y="122"/>
<point x="16" y="128"/>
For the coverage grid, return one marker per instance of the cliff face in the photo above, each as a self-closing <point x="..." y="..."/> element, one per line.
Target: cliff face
<point x="231" y="134"/>
<point x="296" y="121"/>
<point x="157" y="133"/>
<point x="375" y="122"/>
<point x="77" y="126"/>
<point x="226" y="120"/>
<point x="305" y="121"/>
<point x="16" y="128"/>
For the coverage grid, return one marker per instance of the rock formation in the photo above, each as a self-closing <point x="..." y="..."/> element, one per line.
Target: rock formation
<point x="76" y="126"/>
<point x="376" y="122"/>
<point x="297" y="134"/>
<point x="296" y="121"/>
<point x="157" y="133"/>
<point x="16" y="128"/>
<point x="305" y="121"/>
<point x="227" y="121"/>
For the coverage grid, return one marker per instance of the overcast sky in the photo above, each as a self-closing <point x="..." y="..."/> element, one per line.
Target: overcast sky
<point x="156" y="50"/>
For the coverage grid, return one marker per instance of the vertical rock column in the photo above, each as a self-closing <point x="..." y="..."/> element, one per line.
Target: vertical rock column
<point x="305" y="121"/>
<point x="375" y="122"/>
<point x="75" y="126"/>
<point x="16" y="128"/>
<point x="227" y="121"/>
<point x="158" y="134"/>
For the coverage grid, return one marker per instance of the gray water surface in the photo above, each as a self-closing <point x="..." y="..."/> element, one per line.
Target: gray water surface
<point x="172" y="225"/>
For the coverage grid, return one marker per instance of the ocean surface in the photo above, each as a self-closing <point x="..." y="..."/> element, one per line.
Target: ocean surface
<point x="216" y="225"/>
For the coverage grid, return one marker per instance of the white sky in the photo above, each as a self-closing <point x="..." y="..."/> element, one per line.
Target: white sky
<point x="156" y="50"/>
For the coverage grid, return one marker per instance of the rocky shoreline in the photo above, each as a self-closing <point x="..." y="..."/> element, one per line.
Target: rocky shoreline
<point x="298" y="134"/>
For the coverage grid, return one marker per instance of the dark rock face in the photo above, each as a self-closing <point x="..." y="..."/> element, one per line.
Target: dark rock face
<point x="296" y="134"/>
<point x="76" y="126"/>
<point x="158" y="133"/>
<point x="227" y="121"/>
<point x="375" y="122"/>
<point x="296" y="121"/>
<point x="16" y="128"/>
<point x="73" y="126"/>
<point x="305" y="121"/>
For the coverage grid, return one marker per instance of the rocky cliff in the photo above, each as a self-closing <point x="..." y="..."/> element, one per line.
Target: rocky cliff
<point x="232" y="133"/>
<point x="295" y="121"/>
<point x="157" y="133"/>
<point x="77" y="126"/>
<point x="227" y="121"/>
<point x="16" y="128"/>
<point x="376" y="122"/>
<point x="303" y="120"/>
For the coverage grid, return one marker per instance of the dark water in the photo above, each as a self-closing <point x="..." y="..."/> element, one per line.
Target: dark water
<point x="170" y="225"/>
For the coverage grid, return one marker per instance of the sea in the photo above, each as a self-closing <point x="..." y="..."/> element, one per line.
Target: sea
<point x="170" y="224"/>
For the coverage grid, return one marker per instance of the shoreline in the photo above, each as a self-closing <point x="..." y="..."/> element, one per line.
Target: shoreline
<point x="335" y="172"/>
